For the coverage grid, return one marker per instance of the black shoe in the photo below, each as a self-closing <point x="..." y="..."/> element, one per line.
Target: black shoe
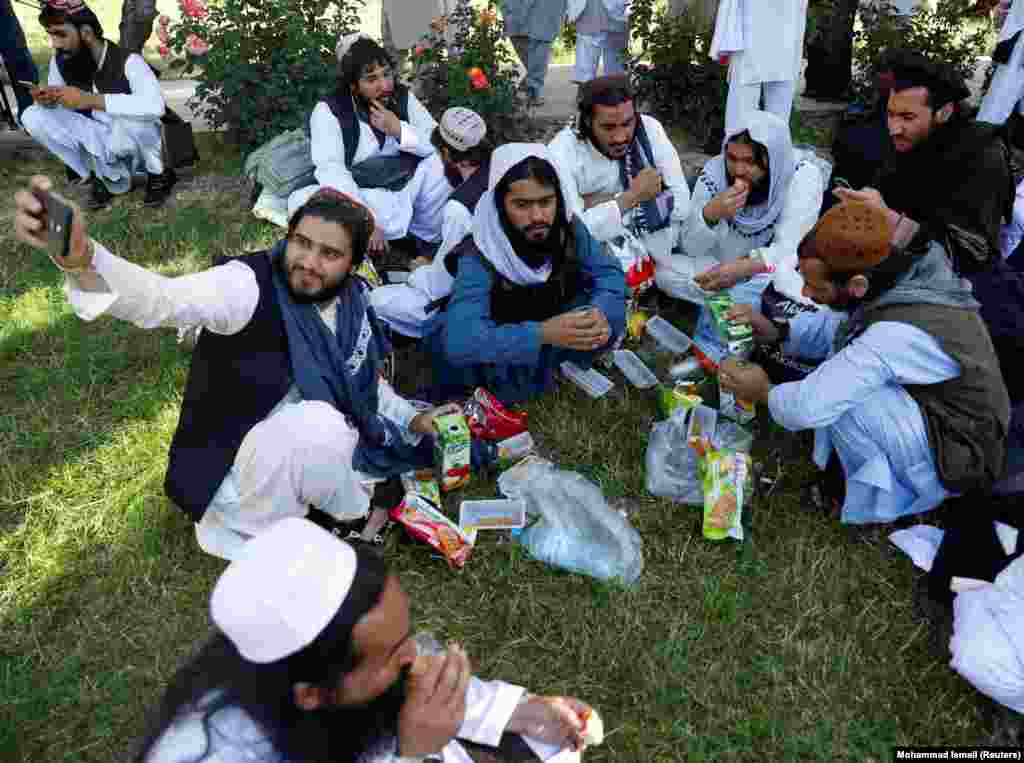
<point x="158" y="187"/>
<point x="100" y="197"/>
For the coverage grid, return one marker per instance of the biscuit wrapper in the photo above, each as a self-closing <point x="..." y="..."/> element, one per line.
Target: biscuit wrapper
<point x="426" y="523"/>
<point x="424" y="484"/>
<point x="728" y="485"/>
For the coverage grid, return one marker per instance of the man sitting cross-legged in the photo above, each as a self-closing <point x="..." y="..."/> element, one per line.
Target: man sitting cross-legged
<point x="751" y="206"/>
<point x="100" y="109"/>
<point x="461" y="163"/>
<point x="533" y="287"/>
<point x="623" y="176"/>
<point x="910" y="405"/>
<point x="368" y="117"/>
<point x="285" y="406"/>
<point x="312" y="659"/>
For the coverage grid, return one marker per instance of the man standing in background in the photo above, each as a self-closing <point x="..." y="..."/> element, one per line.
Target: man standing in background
<point x="533" y="25"/>
<point x="602" y="32"/>
<point x="137" y="17"/>
<point x="15" y="55"/>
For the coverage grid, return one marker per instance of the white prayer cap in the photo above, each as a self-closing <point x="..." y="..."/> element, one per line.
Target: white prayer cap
<point x="462" y="129"/>
<point x="346" y="41"/>
<point x="283" y="589"/>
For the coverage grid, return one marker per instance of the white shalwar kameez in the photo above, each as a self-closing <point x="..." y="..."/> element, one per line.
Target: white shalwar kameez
<point x="299" y="455"/>
<point x="1007" y="87"/>
<point x="770" y="60"/>
<point x="585" y="170"/>
<point x="404" y="306"/>
<point x="113" y="143"/>
<point x="392" y="210"/>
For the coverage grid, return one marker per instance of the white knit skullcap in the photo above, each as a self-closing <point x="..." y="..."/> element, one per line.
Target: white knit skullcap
<point x="462" y="129"/>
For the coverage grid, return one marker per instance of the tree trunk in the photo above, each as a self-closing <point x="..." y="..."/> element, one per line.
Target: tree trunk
<point x="705" y="10"/>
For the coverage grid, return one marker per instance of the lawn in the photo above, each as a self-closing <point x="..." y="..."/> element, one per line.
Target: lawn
<point x="798" y="644"/>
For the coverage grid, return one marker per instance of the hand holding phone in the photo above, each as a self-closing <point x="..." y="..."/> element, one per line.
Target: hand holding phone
<point x="43" y="220"/>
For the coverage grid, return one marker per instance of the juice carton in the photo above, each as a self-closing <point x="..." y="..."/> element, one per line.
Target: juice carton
<point x="671" y="399"/>
<point x="738" y="337"/>
<point x="452" y="451"/>
<point x="424" y="484"/>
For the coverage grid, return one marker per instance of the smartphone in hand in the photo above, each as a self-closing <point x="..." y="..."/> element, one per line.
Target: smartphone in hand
<point x="58" y="216"/>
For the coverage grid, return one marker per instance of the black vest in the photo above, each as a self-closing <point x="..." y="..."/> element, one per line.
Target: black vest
<point x="468" y="195"/>
<point x="109" y="80"/>
<point x="233" y="384"/>
<point x="967" y="418"/>
<point x="344" y="111"/>
<point x="512" y="303"/>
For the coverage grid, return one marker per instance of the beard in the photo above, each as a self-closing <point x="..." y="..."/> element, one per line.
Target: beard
<point x="324" y="294"/>
<point x="452" y="175"/>
<point x="535" y="252"/>
<point x="78" y="67"/>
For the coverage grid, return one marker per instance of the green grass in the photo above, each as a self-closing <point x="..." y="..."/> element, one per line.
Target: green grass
<point x="798" y="644"/>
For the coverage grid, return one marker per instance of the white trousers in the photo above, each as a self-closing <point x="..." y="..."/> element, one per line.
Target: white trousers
<point x="591" y="48"/>
<point x="110" y="148"/>
<point x="300" y="455"/>
<point x="778" y="99"/>
<point x="403" y="306"/>
<point x="1006" y="90"/>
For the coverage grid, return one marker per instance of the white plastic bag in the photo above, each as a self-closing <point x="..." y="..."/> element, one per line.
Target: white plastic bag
<point x="988" y="637"/>
<point x="671" y="464"/>
<point x="575" y="528"/>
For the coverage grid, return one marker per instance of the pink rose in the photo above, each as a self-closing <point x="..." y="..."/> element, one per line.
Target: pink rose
<point x="419" y="50"/>
<point x="196" y="45"/>
<point x="164" y="20"/>
<point x="164" y="51"/>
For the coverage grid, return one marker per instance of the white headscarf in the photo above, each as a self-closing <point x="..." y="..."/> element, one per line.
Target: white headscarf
<point x="772" y="133"/>
<point x="1014" y="21"/>
<point x="488" y="232"/>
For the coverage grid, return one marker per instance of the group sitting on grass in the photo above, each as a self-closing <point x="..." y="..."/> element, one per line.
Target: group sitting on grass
<point x="286" y="414"/>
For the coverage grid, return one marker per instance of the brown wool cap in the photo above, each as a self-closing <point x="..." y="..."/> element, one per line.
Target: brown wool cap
<point x="850" y="238"/>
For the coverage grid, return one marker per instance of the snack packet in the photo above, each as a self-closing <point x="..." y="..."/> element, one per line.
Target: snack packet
<point x="424" y="484"/>
<point x="369" y="273"/>
<point x="452" y="451"/>
<point x="671" y="399"/>
<point x="738" y="337"/>
<point x="488" y="419"/>
<point x="426" y="523"/>
<point x="727" y="482"/>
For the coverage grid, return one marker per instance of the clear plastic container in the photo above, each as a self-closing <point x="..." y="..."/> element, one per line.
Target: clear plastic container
<point x="634" y="369"/>
<point x="499" y="514"/>
<point x="397" y="276"/>
<point x="593" y="383"/>
<point x="667" y="335"/>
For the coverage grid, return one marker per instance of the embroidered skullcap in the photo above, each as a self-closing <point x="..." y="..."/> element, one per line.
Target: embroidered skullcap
<point x="850" y="238"/>
<point x="283" y="589"/>
<point x="462" y="129"/>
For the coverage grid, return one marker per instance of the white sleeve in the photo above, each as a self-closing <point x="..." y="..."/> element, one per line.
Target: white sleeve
<point x="666" y="159"/>
<point x="799" y="214"/>
<point x="457" y="223"/>
<point x="54" y="78"/>
<point x="416" y="133"/>
<point x="221" y="299"/>
<point x="396" y="408"/>
<point x="146" y="100"/>
<point x="489" y="708"/>
<point x="698" y="239"/>
<point x="604" y="221"/>
<point x="328" y="151"/>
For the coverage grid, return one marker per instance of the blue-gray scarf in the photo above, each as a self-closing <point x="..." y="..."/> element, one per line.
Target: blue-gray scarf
<point x="343" y="369"/>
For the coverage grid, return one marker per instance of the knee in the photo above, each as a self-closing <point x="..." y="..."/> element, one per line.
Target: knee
<point x="310" y="429"/>
<point x="34" y="119"/>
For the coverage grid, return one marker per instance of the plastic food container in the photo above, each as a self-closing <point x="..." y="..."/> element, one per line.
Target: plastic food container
<point x="686" y="369"/>
<point x="397" y="276"/>
<point x="667" y="335"/>
<point x="499" y="514"/>
<point x="593" y="383"/>
<point x="634" y="369"/>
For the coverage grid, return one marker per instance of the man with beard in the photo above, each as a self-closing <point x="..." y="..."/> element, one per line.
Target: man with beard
<point x="533" y="288"/>
<point x="441" y="219"/>
<point x="285" y="406"/>
<point x="910" y="407"/>
<point x="751" y="206"/>
<point x="952" y="175"/>
<point x="312" y="660"/>
<point x="100" y="110"/>
<point x="623" y="176"/>
<point x="370" y="117"/>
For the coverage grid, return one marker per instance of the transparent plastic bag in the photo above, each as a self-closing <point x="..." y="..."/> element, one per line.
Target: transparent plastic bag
<point x="575" y="528"/>
<point x="671" y="464"/>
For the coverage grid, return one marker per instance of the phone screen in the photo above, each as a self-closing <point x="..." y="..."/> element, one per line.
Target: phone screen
<point x="58" y="217"/>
